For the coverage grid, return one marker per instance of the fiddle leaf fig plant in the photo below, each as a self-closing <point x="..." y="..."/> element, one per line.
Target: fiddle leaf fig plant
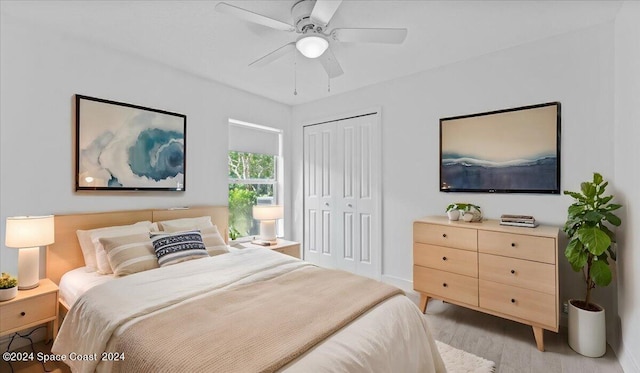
<point x="590" y="238"/>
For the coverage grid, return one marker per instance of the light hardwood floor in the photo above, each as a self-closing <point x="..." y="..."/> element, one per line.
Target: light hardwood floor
<point x="510" y="344"/>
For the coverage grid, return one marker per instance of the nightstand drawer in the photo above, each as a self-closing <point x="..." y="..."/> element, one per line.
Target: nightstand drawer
<point x="540" y="249"/>
<point x="293" y="250"/>
<point x="442" y="235"/>
<point x="446" y="285"/>
<point x="463" y="262"/>
<point x="28" y="311"/>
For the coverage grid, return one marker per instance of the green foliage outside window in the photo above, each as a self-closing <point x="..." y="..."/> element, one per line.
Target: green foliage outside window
<point x="251" y="177"/>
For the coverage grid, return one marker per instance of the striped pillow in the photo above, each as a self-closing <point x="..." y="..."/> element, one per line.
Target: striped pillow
<point x="130" y="254"/>
<point x="213" y="241"/>
<point x="172" y="248"/>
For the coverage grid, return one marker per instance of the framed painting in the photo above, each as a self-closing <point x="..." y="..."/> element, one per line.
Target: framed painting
<point x="122" y="146"/>
<point x="506" y="151"/>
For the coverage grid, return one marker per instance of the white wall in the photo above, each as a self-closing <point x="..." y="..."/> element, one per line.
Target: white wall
<point x="627" y="171"/>
<point x="575" y="69"/>
<point x="40" y="72"/>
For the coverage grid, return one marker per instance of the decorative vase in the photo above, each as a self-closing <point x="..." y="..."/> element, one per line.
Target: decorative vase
<point x="587" y="331"/>
<point x="467" y="216"/>
<point x="453" y="215"/>
<point x="10" y="293"/>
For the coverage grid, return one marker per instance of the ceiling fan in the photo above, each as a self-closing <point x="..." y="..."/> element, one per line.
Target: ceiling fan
<point x="311" y="20"/>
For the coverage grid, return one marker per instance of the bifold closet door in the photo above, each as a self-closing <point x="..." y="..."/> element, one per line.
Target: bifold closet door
<point x="342" y="195"/>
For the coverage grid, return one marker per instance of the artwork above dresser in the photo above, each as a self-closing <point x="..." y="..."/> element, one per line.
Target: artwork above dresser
<point x="510" y="272"/>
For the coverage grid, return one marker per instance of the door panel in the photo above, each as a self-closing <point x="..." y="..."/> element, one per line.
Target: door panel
<point x="342" y="159"/>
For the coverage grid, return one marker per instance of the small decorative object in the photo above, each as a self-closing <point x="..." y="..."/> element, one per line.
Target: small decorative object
<point x="268" y="214"/>
<point x="122" y="146"/>
<point x="470" y="212"/>
<point x="28" y="233"/>
<point x="453" y="212"/>
<point x="591" y="245"/>
<point x="8" y="287"/>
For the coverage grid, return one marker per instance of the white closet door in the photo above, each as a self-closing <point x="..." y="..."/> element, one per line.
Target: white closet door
<point x="319" y="143"/>
<point x="353" y="206"/>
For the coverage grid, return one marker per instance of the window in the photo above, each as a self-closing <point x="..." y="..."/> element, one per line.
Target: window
<point x="254" y="158"/>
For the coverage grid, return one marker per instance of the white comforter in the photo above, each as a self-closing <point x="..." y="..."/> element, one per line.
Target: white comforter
<point x="393" y="337"/>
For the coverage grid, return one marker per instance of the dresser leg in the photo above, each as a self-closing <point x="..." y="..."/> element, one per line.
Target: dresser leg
<point x="538" y="333"/>
<point x="423" y="303"/>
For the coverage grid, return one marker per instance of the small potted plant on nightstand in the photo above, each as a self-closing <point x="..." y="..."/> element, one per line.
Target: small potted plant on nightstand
<point x="591" y="245"/>
<point x="8" y="287"/>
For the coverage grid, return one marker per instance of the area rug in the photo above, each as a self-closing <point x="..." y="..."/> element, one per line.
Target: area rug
<point x="458" y="361"/>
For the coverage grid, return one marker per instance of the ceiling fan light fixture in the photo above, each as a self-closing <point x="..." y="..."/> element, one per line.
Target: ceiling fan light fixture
<point x="312" y="46"/>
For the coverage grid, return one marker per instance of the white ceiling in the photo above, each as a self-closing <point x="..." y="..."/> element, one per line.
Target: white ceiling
<point x="193" y="37"/>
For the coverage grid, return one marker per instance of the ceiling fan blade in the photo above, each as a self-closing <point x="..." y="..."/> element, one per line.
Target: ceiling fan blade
<point x="370" y="35"/>
<point x="330" y="64"/>
<point x="250" y="16"/>
<point x="323" y="11"/>
<point x="262" y="61"/>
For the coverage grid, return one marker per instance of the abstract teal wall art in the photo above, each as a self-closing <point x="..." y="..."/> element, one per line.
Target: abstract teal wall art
<point x="121" y="146"/>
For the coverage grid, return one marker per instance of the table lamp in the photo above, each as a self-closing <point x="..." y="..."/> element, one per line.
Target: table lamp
<point x="28" y="233"/>
<point x="268" y="214"/>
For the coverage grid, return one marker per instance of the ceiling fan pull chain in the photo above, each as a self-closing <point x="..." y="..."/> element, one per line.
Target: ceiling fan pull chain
<point x="295" y="74"/>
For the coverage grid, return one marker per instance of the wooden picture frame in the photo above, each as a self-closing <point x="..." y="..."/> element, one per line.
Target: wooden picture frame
<point x="121" y="146"/>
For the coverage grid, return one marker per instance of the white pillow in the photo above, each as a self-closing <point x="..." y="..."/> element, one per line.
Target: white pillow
<point x="102" y="261"/>
<point x="89" y="248"/>
<point x="177" y="225"/>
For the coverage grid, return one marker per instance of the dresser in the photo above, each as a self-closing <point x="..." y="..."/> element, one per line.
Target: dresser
<point x="510" y="272"/>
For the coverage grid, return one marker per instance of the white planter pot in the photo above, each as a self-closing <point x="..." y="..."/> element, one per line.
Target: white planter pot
<point x="587" y="331"/>
<point x="453" y="214"/>
<point x="6" y="294"/>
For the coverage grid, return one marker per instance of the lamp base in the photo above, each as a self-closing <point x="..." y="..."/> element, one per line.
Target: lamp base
<point x="268" y="230"/>
<point x="28" y="268"/>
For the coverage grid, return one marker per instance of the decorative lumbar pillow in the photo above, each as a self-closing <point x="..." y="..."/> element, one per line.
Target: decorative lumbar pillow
<point x="213" y="241"/>
<point x="184" y="224"/>
<point x="89" y="248"/>
<point x="130" y="254"/>
<point x="172" y="248"/>
<point x="101" y="255"/>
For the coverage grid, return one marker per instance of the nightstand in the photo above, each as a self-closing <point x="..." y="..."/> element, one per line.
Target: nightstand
<point x="282" y="246"/>
<point x="31" y="308"/>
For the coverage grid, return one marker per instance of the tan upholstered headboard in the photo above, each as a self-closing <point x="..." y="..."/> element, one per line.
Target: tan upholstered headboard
<point x="65" y="254"/>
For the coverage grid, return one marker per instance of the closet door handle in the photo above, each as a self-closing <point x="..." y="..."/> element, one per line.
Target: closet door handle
<point x="349" y="205"/>
<point x="326" y="203"/>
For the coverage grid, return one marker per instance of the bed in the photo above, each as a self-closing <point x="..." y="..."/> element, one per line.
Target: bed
<point x="248" y="310"/>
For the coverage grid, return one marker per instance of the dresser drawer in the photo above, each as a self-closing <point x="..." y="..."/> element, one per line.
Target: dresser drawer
<point x="540" y="249"/>
<point x="517" y="272"/>
<point x="34" y="309"/>
<point x="463" y="262"/>
<point x="533" y="306"/>
<point x="442" y="235"/>
<point x="446" y="285"/>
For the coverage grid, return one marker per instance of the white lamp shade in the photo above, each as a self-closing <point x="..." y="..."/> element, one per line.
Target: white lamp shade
<point x="268" y="212"/>
<point x="29" y="231"/>
<point x="312" y="46"/>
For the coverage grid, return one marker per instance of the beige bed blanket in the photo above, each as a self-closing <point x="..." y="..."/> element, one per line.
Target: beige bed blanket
<point x="250" y="328"/>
